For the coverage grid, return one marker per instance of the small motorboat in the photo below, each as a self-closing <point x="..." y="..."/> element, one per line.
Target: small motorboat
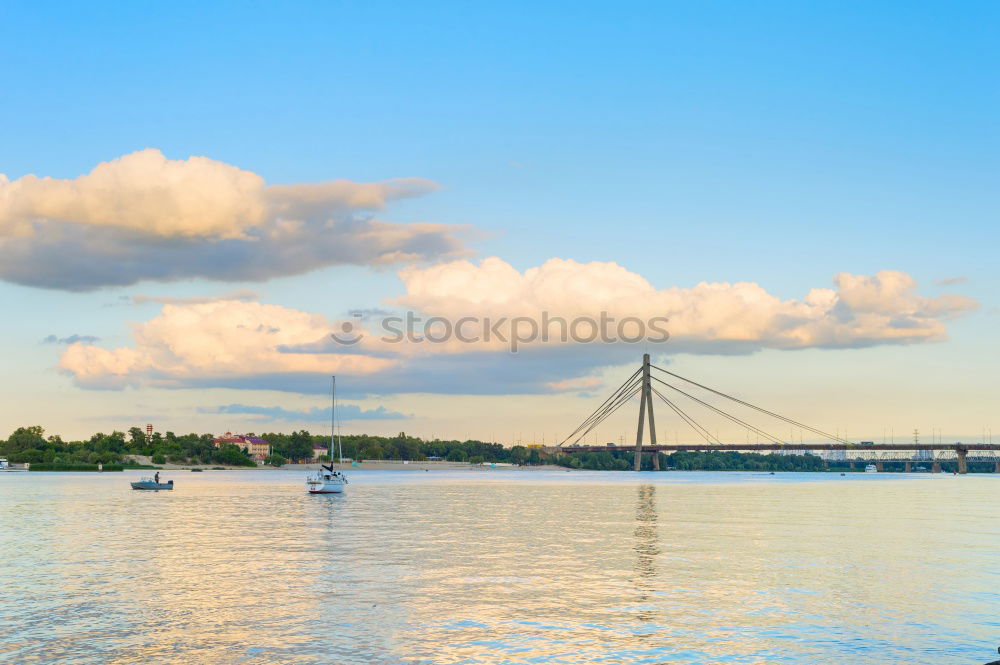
<point x="152" y="484"/>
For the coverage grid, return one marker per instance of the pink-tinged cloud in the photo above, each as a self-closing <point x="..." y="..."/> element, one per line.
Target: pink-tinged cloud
<point x="214" y="342"/>
<point x="145" y="217"/>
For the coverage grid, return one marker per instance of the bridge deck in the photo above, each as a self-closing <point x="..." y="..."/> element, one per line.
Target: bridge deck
<point x="757" y="447"/>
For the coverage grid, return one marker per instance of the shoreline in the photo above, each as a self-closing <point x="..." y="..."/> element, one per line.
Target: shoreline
<point x="368" y="465"/>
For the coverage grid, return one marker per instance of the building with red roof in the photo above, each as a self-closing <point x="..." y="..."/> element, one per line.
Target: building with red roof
<point x="256" y="446"/>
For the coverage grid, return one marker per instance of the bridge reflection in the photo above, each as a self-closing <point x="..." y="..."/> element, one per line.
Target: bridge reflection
<point x="647" y="548"/>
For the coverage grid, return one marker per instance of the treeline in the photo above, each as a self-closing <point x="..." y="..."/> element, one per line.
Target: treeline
<point x="622" y="460"/>
<point x="299" y="445"/>
<point x="30" y="444"/>
<point x="736" y="461"/>
<point x="692" y="461"/>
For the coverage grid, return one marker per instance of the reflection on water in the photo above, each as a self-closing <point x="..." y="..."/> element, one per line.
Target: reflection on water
<point x="646" y="549"/>
<point x="500" y="567"/>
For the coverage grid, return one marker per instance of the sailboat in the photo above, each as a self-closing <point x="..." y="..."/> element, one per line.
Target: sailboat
<point x="329" y="480"/>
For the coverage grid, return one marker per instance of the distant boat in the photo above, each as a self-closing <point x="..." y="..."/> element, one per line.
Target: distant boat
<point x="871" y="468"/>
<point x="5" y="466"/>
<point x="329" y="480"/>
<point x="152" y="484"/>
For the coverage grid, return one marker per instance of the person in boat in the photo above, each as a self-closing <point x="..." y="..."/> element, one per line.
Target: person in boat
<point x="156" y="477"/>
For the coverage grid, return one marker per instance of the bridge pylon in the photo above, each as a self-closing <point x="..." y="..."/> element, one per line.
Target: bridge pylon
<point x="646" y="405"/>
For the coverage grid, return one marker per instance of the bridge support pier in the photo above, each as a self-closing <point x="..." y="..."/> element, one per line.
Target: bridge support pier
<point x="879" y="466"/>
<point x="908" y="467"/>
<point x="936" y="467"/>
<point x="963" y="464"/>
<point x="996" y="469"/>
<point x="646" y="403"/>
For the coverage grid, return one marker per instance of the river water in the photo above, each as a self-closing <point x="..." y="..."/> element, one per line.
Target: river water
<point x="491" y="566"/>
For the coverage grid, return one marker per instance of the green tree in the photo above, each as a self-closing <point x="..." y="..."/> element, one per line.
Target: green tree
<point x="299" y="445"/>
<point x="274" y="460"/>
<point x="25" y="438"/>
<point x="31" y="455"/>
<point x="232" y="455"/>
<point x="136" y="438"/>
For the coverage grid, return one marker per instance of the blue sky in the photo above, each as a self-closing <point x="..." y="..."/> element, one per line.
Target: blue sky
<point x="773" y="143"/>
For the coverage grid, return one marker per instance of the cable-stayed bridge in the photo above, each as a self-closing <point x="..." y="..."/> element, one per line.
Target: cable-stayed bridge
<point x="650" y="380"/>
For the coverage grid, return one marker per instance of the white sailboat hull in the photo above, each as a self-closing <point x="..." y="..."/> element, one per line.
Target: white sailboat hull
<point x="324" y="487"/>
<point x="326" y="482"/>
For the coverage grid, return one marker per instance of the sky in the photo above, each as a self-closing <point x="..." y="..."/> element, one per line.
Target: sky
<point x="195" y="196"/>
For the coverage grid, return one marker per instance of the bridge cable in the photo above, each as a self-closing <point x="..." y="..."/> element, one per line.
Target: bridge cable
<point x="757" y="408"/>
<point x="704" y="433"/>
<point x="623" y="387"/>
<point x="731" y="417"/>
<point x="611" y="409"/>
<point x="626" y="386"/>
<point x="622" y="398"/>
<point x="602" y="411"/>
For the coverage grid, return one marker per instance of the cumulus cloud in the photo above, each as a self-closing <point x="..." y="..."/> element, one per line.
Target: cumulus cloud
<point x="145" y="217"/>
<point x="239" y="344"/>
<point x="708" y="317"/>
<point x="318" y="414"/>
<point x="213" y="342"/>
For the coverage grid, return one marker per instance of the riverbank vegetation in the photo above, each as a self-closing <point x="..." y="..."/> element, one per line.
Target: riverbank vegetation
<point x="60" y="466"/>
<point x="30" y="444"/>
<point x="622" y="460"/>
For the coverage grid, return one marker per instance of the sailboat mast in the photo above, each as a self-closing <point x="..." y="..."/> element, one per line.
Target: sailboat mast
<point x="333" y="411"/>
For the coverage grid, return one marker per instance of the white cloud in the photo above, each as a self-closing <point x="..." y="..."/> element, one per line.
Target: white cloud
<point x="143" y="216"/>
<point x="710" y="316"/>
<point x="214" y="343"/>
<point x="241" y="344"/>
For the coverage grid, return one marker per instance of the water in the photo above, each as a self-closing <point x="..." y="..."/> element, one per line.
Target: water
<point x="501" y="567"/>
